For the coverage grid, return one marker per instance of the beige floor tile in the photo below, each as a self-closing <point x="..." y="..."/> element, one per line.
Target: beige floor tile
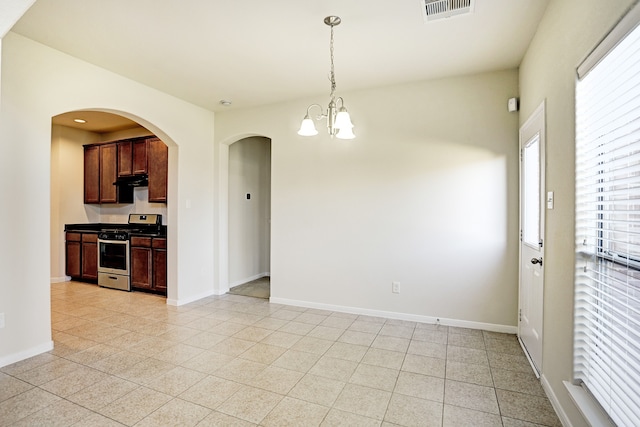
<point x="281" y="339"/>
<point x="226" y="328"/>
<point x="385" y="358"/>
<point x="59" y="413"/>
<point x="102" y="393"/>
<point x="48" y="372"/>
<point x="521" y="382"/>
<point x="310" y="318"/>
<point x="467" y="355"/>
<point x="421" y="386"/>
<point x="133" y="407"/>
<point x="205" y="340"/>
<point x="364" y="326"/>
<point x="469" y="373"/>
<point x="526" y="407"/>
<point x="363" y="401"/>
<point x="250" y="404"/>
<point x="210" y="391"/>
<point x="75" y="381"/>
<point x="337" y="320"/>
<point x="207" y="362"/>
<point x="97" y="420"/>
<point x="467" y="341"/>
<point x="178" y="353"/>
<point x="505" y="346"/>
<point x="397" y="331"/>
<point x="252" y="333"/>
<point x="240" y="370"/>
<point x="277" y="380"/>
<point x="427" y="348"/>
<point x="25" y="404"/>
<point x="357" y="338"/>
<point x="411" y="411"/>
<point x="232" y="346"/>
<point x="176" y="381"/>
<point x="336" y="369"/>
<point x="10" y="386"/>
<point x="338" y="418"/>
<point x="341" y="350"/>
<point x="297" y="328"/>
<point x="315" y="389"/>
<point x="326" y="332"/>
<point x="93" y="354"/>
<point x="145" y="371"/>
<point x="509" y="362"/>
<point x="471" y="396"/>
<point x="218" y="419"/>
<point x="312" y="345"/>
<point x="455" y="416"/>
<point x="263" y="353"/>
<point x="245" y="318"/>
<point x="375" y="377"/>
<point x="391" y="343"/>
<point x="285" y="314"/>
<point x="511" y="422"/>
<point x="175" y="413"/>
<point x="424" y="365"/>
<point x="293" y="412"/>
<point x="296" y="360"/>
<point x="151" y="345"/>
<point x="270" y="323"/>
<point x="455" y="330"/>
<point x="118" y="362"/>
<point x="432" y="335"/>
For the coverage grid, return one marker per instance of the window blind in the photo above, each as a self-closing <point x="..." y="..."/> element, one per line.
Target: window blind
<point x="607" y="280"/>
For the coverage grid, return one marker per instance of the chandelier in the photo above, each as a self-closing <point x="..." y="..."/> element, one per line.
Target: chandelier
<point x="338" y="120"/>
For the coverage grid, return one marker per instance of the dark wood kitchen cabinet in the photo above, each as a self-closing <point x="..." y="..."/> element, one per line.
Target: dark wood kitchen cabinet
<point x="81" y="251"/>
<point x="132" y="157"/>
<point x="100" y="173"/>
<point x="108" y="173"/>
<point x="92" y="174"/>
<point x="149" y="264"/>
<point x="158" y="167"/>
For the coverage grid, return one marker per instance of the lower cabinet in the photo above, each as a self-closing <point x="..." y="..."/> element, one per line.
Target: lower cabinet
<point x="82" y="256"/>
<point x="149" y="264"/>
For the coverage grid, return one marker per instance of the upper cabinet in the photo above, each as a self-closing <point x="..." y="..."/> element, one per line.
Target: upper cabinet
<point x="158" y="165"/>
<point x="106" y="163"/>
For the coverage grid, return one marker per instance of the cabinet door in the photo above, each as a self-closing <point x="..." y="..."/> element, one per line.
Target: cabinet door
<point x="72" y="259"/>
<point x="160" y="270"/>
<point x="125" y="158"/>
<point x="89" y="261"/>
<point x="141" y="267"/>
<point x="140" y="157"/>
<point x="108" y="173"/>
<point x="158" y="165"/>
<point x="92" y="174"/>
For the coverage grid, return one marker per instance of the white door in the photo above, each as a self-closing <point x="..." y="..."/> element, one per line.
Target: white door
<point x="532" y="209"/>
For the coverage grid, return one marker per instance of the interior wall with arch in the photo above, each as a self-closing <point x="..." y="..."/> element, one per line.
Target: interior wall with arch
<point x="39" y="83"/>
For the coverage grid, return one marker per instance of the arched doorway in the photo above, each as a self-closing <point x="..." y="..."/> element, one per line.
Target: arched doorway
<point x="68" y="136"/>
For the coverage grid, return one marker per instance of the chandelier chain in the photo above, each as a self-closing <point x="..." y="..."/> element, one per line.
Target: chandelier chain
<point x="333" y="74"/>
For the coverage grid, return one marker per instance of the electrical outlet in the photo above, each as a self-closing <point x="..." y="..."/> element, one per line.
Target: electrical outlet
<point x="395" y="287"/>
<point x="1" y="320"/>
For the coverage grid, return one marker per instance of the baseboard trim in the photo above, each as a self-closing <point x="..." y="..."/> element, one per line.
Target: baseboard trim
<point x="399" y="316"/>
<point x="60" y="279"/>
<point x="183" y="301"/>
<point x="248" y="279"/>
<point x="22" y="355"/>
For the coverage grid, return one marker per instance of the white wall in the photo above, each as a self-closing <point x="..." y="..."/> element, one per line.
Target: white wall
<point x="427" y="195"/>
<point x="567" y="33"/>
<point x="38" y="83"/>
<point x="249" y="173"/>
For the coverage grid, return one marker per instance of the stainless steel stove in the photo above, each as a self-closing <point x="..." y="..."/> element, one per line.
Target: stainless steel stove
<point x="113" y="249"/>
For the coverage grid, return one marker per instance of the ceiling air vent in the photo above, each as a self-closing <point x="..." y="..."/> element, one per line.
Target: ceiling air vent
<point x="438" y="9"/>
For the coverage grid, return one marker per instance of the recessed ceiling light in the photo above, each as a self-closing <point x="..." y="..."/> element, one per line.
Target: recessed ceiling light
<point x="225" y="102"/>
<point x="79" y="120"/>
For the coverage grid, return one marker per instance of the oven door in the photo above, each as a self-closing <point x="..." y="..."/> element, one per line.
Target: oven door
<point x="113" y="257"/>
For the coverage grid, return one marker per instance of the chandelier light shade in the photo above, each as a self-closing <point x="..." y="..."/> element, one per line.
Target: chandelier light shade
<point x="338" y="119"/>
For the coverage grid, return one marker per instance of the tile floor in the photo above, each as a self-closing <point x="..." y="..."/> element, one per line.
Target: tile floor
<point x="129" y="359"/>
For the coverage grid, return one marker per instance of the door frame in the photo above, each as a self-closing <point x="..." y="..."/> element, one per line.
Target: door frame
<point x="535" y="123"/>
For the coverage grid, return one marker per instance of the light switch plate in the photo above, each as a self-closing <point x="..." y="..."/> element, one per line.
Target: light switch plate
<point x="549" y="199"/>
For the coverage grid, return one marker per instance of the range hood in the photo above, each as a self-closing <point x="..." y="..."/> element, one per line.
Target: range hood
<point x="133" y="181"/>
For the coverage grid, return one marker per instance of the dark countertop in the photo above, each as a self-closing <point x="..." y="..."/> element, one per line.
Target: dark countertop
<point x="99" y="226"/>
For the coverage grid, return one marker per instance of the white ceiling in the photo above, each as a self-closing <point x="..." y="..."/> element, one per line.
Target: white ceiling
<point x="257" y="52"/>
